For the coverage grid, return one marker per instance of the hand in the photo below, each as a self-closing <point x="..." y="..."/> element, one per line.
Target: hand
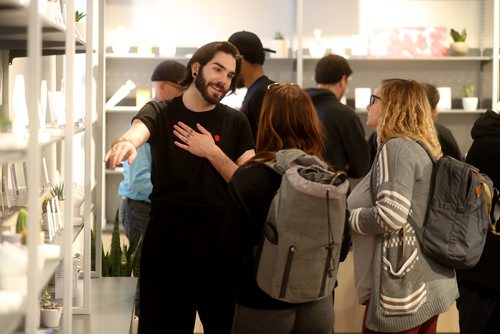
<point x="120" y="151"/>
<point x="200" y="143"/>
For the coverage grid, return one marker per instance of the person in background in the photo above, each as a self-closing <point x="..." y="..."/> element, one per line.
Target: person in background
<point x="479" y="302"/>
<point x="403" y="290"/>
<point x="448" y="142"/>
<point x="196" y="145"/>
<point x="252" y="74"/>
<point x="136" y="186"/>
<point x="346" y="147"/>
<point x="288" y="120"/>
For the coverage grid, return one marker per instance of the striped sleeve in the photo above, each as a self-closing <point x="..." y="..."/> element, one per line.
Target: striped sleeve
<point x="392" y="197"/>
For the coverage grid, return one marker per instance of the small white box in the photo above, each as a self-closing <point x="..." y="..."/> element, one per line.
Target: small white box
<point x="362" y="97"/>
<point x="444" y="98"/>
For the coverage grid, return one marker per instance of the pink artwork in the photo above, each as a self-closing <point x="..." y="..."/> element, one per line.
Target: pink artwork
<point x="410" y="42"/>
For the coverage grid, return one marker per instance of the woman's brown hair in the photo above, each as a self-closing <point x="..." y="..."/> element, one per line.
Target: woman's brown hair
<point x="288" y="119"/>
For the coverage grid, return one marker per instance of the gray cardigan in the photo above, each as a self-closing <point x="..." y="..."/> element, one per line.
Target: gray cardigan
<point x="408" y="288"/>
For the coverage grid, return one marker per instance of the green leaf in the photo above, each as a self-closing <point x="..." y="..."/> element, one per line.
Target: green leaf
<point x="115" y="253"/>
<point x="458" y="37"/>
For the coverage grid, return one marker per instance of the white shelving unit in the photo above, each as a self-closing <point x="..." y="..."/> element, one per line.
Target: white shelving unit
<point x="28" y="34"/>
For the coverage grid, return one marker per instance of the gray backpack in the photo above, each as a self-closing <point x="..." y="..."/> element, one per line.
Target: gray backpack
<point x="299" y="254"/>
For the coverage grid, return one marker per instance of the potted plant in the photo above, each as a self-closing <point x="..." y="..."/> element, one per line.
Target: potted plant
<point x="469" y="101"/>
<point x="49" y="212"/>
<point x="80" y="25"/>
<point x="279" y="45"/>
<point x="50" y="311"/>
<point x="5" y="124"/>
<point x="57" y="192"/>
<point x="459" y="47"/>
<point x="19" y="235"/>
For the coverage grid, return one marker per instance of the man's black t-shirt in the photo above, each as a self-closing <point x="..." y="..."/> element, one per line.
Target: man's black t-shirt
<point x="178" y="176"/>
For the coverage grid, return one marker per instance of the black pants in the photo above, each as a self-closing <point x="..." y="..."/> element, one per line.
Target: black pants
<point x="185" y="245"/>
<point x="478" y="309"/>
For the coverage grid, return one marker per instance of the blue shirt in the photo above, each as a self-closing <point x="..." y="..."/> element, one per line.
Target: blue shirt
<point x="136" y="183"/>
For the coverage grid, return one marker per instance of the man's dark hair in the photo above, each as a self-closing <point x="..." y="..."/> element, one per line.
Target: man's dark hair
<point x="432" y="94"/>
<point x="331" y="68"/>
<point x="205" y="53"/>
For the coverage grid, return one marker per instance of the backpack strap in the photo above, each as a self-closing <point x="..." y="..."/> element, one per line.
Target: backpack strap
<point x="427" y="150"/>
<point x="495" y="212"/>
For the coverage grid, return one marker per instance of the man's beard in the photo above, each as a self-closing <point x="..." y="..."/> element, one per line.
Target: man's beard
<point x="201" y="84"/>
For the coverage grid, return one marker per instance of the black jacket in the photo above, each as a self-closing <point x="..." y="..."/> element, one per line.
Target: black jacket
<point x="448" y="143"/>
<point x="346" y="147"/>
<point x="484" y="153"/>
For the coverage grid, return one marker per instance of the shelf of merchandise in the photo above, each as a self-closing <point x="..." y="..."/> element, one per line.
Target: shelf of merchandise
<point x="13" y="17"/>
<point x="24" y="32"/>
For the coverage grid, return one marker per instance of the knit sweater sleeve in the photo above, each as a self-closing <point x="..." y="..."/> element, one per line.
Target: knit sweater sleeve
<point x="392" y="186"/>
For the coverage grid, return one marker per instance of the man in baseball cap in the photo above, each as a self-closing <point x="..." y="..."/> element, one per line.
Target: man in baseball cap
<point x="252" y="74"/>
<point x="165" y="79"/>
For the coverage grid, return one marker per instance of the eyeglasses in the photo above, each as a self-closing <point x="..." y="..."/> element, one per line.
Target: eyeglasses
<point x="373" y="99"/>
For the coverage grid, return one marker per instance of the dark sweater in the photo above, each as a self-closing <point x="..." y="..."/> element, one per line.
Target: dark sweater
<point x="484" y="153"/>
<point x="346" y="147"/>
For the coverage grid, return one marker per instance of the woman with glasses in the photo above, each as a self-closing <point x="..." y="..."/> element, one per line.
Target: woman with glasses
<point x="403" y="290"/>
<point x="288" y="120"/>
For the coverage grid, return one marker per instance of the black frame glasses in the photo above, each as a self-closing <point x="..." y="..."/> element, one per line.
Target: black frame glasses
<point x="373" y="99"/>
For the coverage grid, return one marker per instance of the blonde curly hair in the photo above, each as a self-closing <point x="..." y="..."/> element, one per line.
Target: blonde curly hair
<point x="406" y="113"/>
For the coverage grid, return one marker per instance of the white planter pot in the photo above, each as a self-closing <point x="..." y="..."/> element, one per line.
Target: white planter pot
<point x="82" y="29"/>
<point x="469" y="103"/>
<point x="281" y="48"/>
<point x="45" y="220"/>
<point x="459" y="49"/>
<point x="51" y="317"/>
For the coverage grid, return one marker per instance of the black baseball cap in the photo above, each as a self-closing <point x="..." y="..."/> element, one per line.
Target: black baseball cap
<point x="169" y="70"/>
<point x="250" y="46"/>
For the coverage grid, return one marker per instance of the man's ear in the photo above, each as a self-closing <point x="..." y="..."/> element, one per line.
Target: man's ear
<point x="344" y="81"/>
<point x="195" y="67"/>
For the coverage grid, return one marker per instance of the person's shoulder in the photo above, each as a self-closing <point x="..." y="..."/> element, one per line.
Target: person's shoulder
<point x="155" y="107"/>
<point x="320" y="94"/>
<point x="252" y="173"/>
<point x="403" y="145"/>
<point x="263" y="82"/>
<point x="225" y="109"/>
<point x="441" y="129"/>
<point x="230" y="112"/>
